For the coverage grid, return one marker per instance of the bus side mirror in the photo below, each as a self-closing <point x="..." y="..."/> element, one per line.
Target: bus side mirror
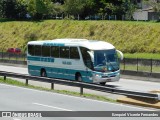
<point x="121" y="54"/>
<point x="91" y="55"/>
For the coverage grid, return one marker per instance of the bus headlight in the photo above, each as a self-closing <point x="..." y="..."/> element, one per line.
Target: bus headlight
<point x="109" y="68"/>
<point x="97" y="75"/>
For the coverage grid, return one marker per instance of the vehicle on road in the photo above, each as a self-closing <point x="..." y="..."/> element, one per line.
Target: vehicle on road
<point x="74" y="59"/>
<point x="14" y="50"/>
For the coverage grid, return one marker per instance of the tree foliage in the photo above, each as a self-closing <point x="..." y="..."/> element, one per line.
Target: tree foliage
<point x="9" y="8"/>
<point x="40" y="9"/>
<point x="155" y="4"/>
<point x="79" y="7"/>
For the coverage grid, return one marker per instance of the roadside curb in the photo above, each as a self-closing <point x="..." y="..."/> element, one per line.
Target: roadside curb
<point x="15" y="65"/>
<point x="155" y="91"/>
<point x="140" y="102"/>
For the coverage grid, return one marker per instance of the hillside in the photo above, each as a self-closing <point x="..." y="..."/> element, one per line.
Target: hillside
<point x="129" y="37"/>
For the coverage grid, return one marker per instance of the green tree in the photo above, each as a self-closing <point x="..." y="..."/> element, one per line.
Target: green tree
<point x="22" y="9"/>
<point x="90" y="8"/>
<point x="12" y="9"/>
<point x="1" y="9"/>
<point x="73" y="7"/>
<point x="111" y="7"/>
<point x="155" y="4"/>
<point x="78" y="7"/>
<point x="130" y="8"/>
<point x="9" y="9"/>
<point x="38" y="9"/>
<point x="58" y="1"/>
<point x="57" y="8"/>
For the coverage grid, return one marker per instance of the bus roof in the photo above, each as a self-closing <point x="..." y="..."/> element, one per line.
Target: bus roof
<point x="90" y="44"/>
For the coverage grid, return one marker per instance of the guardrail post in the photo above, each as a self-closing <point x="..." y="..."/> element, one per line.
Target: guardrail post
<point x="2" y="54"/>
<point x="4" y="77"/>
<point x="26" y="82"/>
<point x="151" y="65"/>
<point x="124" y="67"/>
<point x="9" y="56"/>
<point x="52" y="86"/>
<point x="137" y="64"/>
<point x="86" y="85"/>
<point x="81" y="90"/>
<point x="24" y="57"/>
<point x="16" y="58"/>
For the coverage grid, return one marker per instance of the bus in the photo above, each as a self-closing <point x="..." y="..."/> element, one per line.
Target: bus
<point x="83" y="60"/>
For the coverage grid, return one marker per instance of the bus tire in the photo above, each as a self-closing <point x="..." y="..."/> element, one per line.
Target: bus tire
<point x="78" y="77"/>
<point x="103" y="83"/>
<point x="43" y="73"/>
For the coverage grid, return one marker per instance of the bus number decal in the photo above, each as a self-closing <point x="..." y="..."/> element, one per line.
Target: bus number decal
<point x="66" y="63"/>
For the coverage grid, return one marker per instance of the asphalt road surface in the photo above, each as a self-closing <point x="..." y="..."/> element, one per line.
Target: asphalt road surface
<point x="14" y="98"/>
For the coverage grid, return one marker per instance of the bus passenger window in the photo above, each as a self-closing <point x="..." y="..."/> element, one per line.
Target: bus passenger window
<point x="64" y="52"/>
<point x="31" y="49"/>
<point x="38" y="50"/>
<point x="46" y="51"/>
<point x="74" y="54"/>
<point x="55" y="51"/>
<point x="86" y="58"/>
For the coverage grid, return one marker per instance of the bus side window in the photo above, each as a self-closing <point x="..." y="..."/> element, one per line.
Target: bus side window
<point x="55" y="51"/>
<point x="74" y="54"/>
<point x="86" y="58"/>
<point x="31" y="49"/>
<point x="37" y="50"/>
<point x="64" y="52"/>
<point x="46" y="51"/>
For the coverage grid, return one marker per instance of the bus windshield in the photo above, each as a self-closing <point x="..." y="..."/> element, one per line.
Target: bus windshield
<point x="106" y="60"/>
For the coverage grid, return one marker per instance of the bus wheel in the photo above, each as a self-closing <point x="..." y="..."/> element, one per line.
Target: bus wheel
<point x="103" y="83"/>
<point x="43" y="73"/>
<point x="78" y="77"/>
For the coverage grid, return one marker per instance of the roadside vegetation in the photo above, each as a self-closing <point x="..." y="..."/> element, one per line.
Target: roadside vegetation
<point x="143" y="55"/>
<point x="21" y="84"/>
<point x="129" y="37"/>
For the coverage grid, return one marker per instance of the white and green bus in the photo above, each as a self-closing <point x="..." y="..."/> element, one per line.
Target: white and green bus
<point x="84" y="60"/>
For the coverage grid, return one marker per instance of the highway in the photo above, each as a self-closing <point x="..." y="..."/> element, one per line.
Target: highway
<point x="131" y="84"/>
<point x="14" y="98"/>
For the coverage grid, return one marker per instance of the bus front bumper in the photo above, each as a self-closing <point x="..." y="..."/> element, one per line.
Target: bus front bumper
<point x="105" y="78"/>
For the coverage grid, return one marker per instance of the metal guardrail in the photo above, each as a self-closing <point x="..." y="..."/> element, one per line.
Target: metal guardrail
<point x="82" y="85"/>
<point x="123" y="71"/>
<point x="13" y="62"/>
<point x="132" y="64"/>
<point x="141" y="65"/>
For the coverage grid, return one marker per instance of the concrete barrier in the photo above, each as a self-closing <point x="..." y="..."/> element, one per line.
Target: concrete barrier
<point x="140" y="102"/>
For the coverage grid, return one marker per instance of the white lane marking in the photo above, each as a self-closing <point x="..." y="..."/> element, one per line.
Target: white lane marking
<point x="118" y="104"/>
<point x="16" y="119"/>
<point x="52" y="107"/>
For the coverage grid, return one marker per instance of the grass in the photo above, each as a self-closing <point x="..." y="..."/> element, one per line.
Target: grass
<point x="21" y="84"/>
<point x="13" y="58"/>
<point x="129" y="37"/>
<point x="155" y="69"/>
<point x="142" y="55"/>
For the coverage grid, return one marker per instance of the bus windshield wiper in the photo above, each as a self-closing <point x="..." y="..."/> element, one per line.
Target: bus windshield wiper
<point x="112" y="66"/>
